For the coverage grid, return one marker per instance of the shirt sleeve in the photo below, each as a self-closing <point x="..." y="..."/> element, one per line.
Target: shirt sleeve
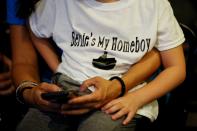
<point x="169" y="33"/>
<point x="11" y="13"/>
<point x="42" y="21"/>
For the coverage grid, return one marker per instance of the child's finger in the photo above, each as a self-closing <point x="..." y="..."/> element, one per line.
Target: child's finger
<point x="110" y="104"/>
<point x="119" y="114"/>
<point x="128" y="118"/>
<point x="114" y="108"/>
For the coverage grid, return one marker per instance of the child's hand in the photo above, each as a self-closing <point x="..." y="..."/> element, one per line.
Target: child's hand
<point x="123" y="106"/>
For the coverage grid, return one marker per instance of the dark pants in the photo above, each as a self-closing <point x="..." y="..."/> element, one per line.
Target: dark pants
<point x="11" y="113"/>
<point x="36" y="120"/>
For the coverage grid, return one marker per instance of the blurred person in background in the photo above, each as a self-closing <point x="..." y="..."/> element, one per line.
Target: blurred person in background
<point x="8" y="116"/>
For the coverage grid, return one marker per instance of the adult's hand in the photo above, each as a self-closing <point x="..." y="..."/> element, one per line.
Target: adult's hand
<point x="6" y="86"/>
<point x="105" y="91"/>
<point x="33" y="97"/>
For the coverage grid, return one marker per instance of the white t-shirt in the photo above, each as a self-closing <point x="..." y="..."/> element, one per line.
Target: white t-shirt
<point x="122" y="32"/>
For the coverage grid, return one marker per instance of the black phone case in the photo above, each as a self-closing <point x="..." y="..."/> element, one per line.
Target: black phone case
<point x="56" y="97"/>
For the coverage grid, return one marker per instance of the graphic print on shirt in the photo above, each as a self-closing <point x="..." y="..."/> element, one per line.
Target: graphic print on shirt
<point x="109" y="43"/>
<point x="103" y="62"/>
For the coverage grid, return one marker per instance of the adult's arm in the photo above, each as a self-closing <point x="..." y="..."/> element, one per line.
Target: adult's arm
<point x="25" y="64"/>
<point x="173" y="74"/>
<point x="142" y="70"/>
<point x="108" y="90"/>
<point x="25" y="68"/>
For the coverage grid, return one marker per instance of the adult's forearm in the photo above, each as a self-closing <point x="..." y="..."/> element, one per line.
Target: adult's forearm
<point x="142" y="70"/>
<point x="25" y="66"/>
<point x="24" y="72"/>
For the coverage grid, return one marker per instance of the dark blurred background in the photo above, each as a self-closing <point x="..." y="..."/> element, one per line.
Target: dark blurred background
<point x="186" y="12"/>
<point x="11" y="112"/>
<point x="178" y="109"/>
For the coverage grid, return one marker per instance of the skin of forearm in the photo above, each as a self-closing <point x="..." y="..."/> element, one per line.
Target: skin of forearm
<point x="162" y="84"/>
<point x="47" y="51"/>
<point x="25" y="66"/>
<point x="142" y="70"/>
<point x="173" y="75"/>
<point x="22" y="73"/>
<point x="139" y="72"/>
<point x="49" y="55"/>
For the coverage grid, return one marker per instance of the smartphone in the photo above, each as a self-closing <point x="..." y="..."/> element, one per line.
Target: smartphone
<point x="56" y="97"/>
<point x="63" y="96"/>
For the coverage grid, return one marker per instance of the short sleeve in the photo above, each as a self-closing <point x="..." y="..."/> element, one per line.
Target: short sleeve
<point x="11" y="13"/>
<point x="42" y="21"/>
<point x="169" y="32"/>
